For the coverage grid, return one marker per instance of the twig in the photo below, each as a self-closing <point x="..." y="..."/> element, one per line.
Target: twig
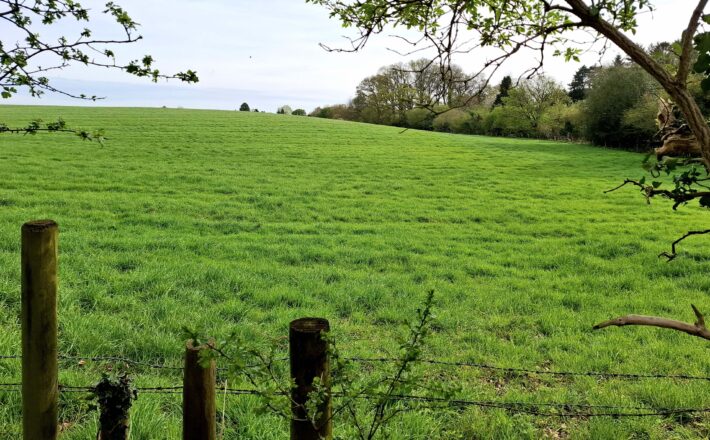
<point x="670" y="256"/>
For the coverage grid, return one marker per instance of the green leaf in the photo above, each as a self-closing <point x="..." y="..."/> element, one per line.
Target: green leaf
<point x="702" y="42"/>
<point x="702" y="65"/>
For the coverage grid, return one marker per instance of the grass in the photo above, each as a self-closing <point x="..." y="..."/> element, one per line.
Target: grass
<point x="228" y="220"/>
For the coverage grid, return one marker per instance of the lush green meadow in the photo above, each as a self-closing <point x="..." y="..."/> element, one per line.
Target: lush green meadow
<point x="228" y="220"/>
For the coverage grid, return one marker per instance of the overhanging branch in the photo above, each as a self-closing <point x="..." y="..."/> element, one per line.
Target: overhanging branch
<point x="687" y="41"/>
<point x="649" y="191"/>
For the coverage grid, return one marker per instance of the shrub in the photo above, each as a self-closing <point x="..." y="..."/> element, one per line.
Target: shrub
<point x="560" y="121"/>
<point x="452" y="121"/>
<point x="476" y="123"/>
<point x="419" y="118"/>
<point x="508" y="121"/>
<point x="322" y="112"/>
<point x="244" y="107"/>
<point x="640" y="120"/>
<point x="615" y="90"/>
<point x="299" y="112"/>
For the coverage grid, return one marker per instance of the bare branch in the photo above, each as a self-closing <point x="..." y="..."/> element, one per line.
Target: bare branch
<point x="698" y="329"/>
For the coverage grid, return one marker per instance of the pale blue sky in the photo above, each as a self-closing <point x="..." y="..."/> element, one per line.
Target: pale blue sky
<point x="266" y="52"/>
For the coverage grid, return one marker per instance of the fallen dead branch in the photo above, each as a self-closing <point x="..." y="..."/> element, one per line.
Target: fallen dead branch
<point x="698" y="329"/>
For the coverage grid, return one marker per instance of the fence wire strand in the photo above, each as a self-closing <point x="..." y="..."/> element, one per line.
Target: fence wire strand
<point x="514" y="370"/>
<point x="527" y="371"/>
<point x="540" y="409"/>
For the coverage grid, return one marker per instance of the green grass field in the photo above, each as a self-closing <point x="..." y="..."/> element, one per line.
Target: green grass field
<point x="228" y="220"/>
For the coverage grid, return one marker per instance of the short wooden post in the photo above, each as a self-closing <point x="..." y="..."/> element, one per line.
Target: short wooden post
<point x="115" y="397"/>
<point x="40" y="388"/>
<point x="308" y="351"/>
<point x="199" y="408"/>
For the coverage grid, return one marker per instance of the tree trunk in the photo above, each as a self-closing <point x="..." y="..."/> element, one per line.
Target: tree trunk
<point x="696" y="121"/>
<point x="677" y="89"/>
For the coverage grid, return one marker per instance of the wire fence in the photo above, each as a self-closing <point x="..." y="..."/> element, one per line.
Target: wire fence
<point x="475" y="365"/>
<point x="540" y="409"/>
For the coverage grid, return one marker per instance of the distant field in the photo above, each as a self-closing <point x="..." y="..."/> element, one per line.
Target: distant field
<point x="224" y="220"/>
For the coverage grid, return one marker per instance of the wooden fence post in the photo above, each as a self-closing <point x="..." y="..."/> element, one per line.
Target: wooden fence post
<point x="40" y="388"/>
<point x="199" y="408"/>
<point x="308" y="351"/>
<point x="115" y="397"/>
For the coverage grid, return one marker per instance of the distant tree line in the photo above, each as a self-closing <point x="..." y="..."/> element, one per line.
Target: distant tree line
<point x="283" y="110"/>
<point x="613" y="105"/>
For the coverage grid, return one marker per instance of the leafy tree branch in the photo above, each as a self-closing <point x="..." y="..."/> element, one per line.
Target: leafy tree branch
<point x="59" y="126"/>
<point x="24" y="63"/>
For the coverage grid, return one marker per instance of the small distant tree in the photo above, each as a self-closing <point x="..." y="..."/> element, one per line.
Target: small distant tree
<point x="244" y="107"/>
<point x="284" y="110"/>
<point x="299" y="112"/>
<point x="256" y="110"/>
<point x="615" y="90"/>
<point x="533" y="96"/>
<point x="503" y="91"/>
<point x="580" y="84"/>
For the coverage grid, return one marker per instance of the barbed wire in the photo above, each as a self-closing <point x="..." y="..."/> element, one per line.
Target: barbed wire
<point x="527" y="371"/>
<point x="124" y="360"/>
<point x="515" y="370"/>
<point x="540" y="409"/>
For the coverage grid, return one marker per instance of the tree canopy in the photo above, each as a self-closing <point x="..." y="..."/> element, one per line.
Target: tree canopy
<point x="456" y="27"/>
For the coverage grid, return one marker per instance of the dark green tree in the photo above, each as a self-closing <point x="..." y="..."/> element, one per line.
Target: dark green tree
<point x="244" y="107"/>
<point x="618" y="61"/>
<point x="503" y="90"/>
<point x="614" y="91"/>
<point x="580" y="84"/>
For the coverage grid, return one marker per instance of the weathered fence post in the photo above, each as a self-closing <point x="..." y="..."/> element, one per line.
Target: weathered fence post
<point x="40" y="388"/>
<point x="308" y="351"/>
<point x="199" y="408"/>
<point x="115" y="398"/>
